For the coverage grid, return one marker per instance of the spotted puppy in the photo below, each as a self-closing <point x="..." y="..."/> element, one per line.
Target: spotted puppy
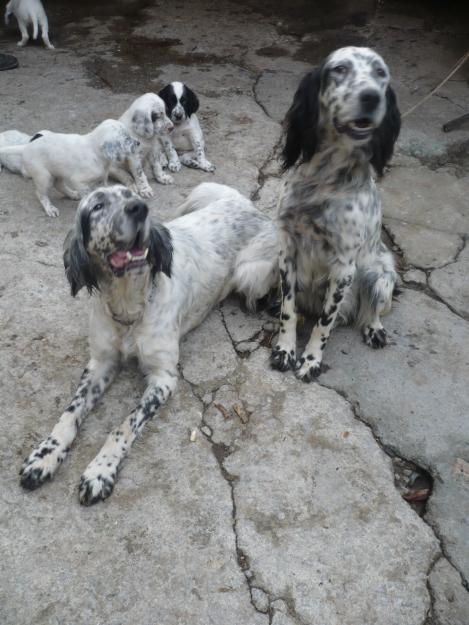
<point x="147" y="122"/>
<point x="186" y="144"/>
<point x="29" y="13"/>
<point x="343" y="123"/>
<point x="70" y="162"/>
<point x="152" y="284"/>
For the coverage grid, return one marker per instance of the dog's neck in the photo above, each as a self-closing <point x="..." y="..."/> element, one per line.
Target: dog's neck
<point x="125" y="298"/>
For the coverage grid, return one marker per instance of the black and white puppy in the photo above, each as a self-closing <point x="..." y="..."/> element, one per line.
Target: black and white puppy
<point x="151" y="284"/>
<point x="343" y="123"/>
<point x="186" y="144"/>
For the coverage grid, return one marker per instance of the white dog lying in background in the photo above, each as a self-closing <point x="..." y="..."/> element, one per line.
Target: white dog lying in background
<point x="70" y="162"/>
<point x="29" y="13"/>
<point x="146" y="121"/>
<point x="13" y="162"/>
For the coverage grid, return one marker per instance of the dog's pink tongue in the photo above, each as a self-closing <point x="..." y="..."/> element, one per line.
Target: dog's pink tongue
<point x="118" y="259"/>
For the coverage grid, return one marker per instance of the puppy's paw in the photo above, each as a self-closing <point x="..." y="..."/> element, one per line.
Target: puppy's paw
<point x="146" y="192"/>
<point x="96" y="483"/>
<point x="50" y="47"/>
<point x="207" y="166"/>
<point x="41" y="464"/>
<point x="22" y="43"/>
<point x="174" y="166"/>
<point x="51" y="210"/>
<point x="307" y="369"/>
<point x="282" y="359"/>
<point x="376" y="338"/>
<point x="165" y="179"/>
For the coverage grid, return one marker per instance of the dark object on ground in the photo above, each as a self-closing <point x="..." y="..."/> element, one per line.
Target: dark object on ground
<point x="7" y="61"/>
<point x="456" y="124"/>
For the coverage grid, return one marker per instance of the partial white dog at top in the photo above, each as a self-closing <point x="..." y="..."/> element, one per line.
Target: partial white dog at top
<point x="72" y="163"/>
<point x="151" y="285"/>
<point x="146" y="121"/>
<point x="186" y="145"/>
<point x="12" y="162"/>
<point x="29" y="13"/>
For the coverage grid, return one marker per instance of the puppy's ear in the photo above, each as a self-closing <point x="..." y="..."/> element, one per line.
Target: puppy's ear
<point x="142" y="124"/>
<point x="191" y="105"/>
<point x="160" y="252"/>
<point x="165" y="95"/>
<point x="79" y="269"/>
<point x="301" y="121"/>
<point x="385" y="136"/>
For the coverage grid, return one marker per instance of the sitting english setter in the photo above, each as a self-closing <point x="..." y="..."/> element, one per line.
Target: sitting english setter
<point x="152" y="284"/>
<point x="147" y="122"/>
<point x="186" y="145"/>
<point x="343" y="122"/>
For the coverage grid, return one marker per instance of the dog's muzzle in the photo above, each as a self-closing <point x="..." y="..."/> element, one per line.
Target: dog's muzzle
<point x="135" y="255"/>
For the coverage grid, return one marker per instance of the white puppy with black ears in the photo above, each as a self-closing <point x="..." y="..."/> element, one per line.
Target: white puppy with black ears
<point x="186" y="144"/>
<point x="29" y="13"/>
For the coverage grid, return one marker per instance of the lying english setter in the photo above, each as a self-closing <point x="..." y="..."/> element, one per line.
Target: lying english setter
<point x="147" y="122"/>
<point x="72" y="163"/>
<point x="343" y="122"/>
<point x="151" y="285"/>
<point x="186" y="144"/>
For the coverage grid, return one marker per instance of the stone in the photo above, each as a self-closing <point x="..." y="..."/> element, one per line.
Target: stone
<point x="450" y="598"/>
<point x="415" y="276"/>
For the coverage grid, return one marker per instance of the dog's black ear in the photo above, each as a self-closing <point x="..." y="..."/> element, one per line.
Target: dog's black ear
<point x="165" y="95"/>
<point x="385" y="136"/>
<point x="160" y="249"/>
<point x="191" y="104"/>
<point x="301" y="121"/>
<point x="79" y="269"/>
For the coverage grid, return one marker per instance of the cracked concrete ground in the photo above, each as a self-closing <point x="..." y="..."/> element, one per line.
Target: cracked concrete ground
<point x="284" y="509"/>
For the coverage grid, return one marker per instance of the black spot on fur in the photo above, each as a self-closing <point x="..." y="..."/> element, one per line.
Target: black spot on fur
<point x="36" y="136"/>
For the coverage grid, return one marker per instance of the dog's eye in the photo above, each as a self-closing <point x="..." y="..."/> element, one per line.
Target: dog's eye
<point x="340" y="69"/>
<point x="97" y="207"/>
<point x="381" y="73"/>
<point x="183" y="100"/>
<point x="154" y="117"/>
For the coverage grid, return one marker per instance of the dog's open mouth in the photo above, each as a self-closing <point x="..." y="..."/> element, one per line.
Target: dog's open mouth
<point x="356" y="129"/>
<point x="126" y="260"/>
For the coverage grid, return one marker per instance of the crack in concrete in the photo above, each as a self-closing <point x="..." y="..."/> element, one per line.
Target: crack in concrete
<point x="393" y="452"/>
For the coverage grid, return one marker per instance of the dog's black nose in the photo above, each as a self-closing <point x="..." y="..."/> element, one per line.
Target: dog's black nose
<point x="138" y="210"/>
<point x="369" y="99"/>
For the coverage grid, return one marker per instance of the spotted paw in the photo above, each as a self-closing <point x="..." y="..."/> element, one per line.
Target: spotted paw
<point x="174" y="166"/>
<point x="41" y="465"/>
<point x="307" y="370"/>
<point x="207" y="166"/>
<point x="96" y="484"/>
<point x="165" y="179"/>
<point x="146" y="192"/>
<point x="376" y="338"/>
<point x="281" y="359"/>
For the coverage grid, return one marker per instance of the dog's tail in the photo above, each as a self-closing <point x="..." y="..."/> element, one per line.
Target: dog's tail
<point x="8" y="12"/>
<point x="256" y="271"/>
<point x="12" y="149"/>
<point x="203" y="195"/>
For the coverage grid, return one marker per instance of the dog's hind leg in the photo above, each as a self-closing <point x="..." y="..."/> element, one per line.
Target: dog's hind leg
<point x="97" y="482"/>
<point x="44" y="461"/>
<point x="44" y="183"/>
<point x="45" y="34"/>
<point x="24" y="34"/>
<point x="377" y="278"/>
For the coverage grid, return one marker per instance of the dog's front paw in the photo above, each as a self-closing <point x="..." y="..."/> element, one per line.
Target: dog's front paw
<point x="376" y="338"/>
<point x="307" y="369"/>
<point x="281" y="359"/>
<point x="165" y="179"/>
<point x="174" y="166"/>
<point x="41" y="464"/>
<point x="207" y="166"/>
<point x="146" y="192"/>
<point x="96" y="484"/>
<point x="51" y="210"/>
